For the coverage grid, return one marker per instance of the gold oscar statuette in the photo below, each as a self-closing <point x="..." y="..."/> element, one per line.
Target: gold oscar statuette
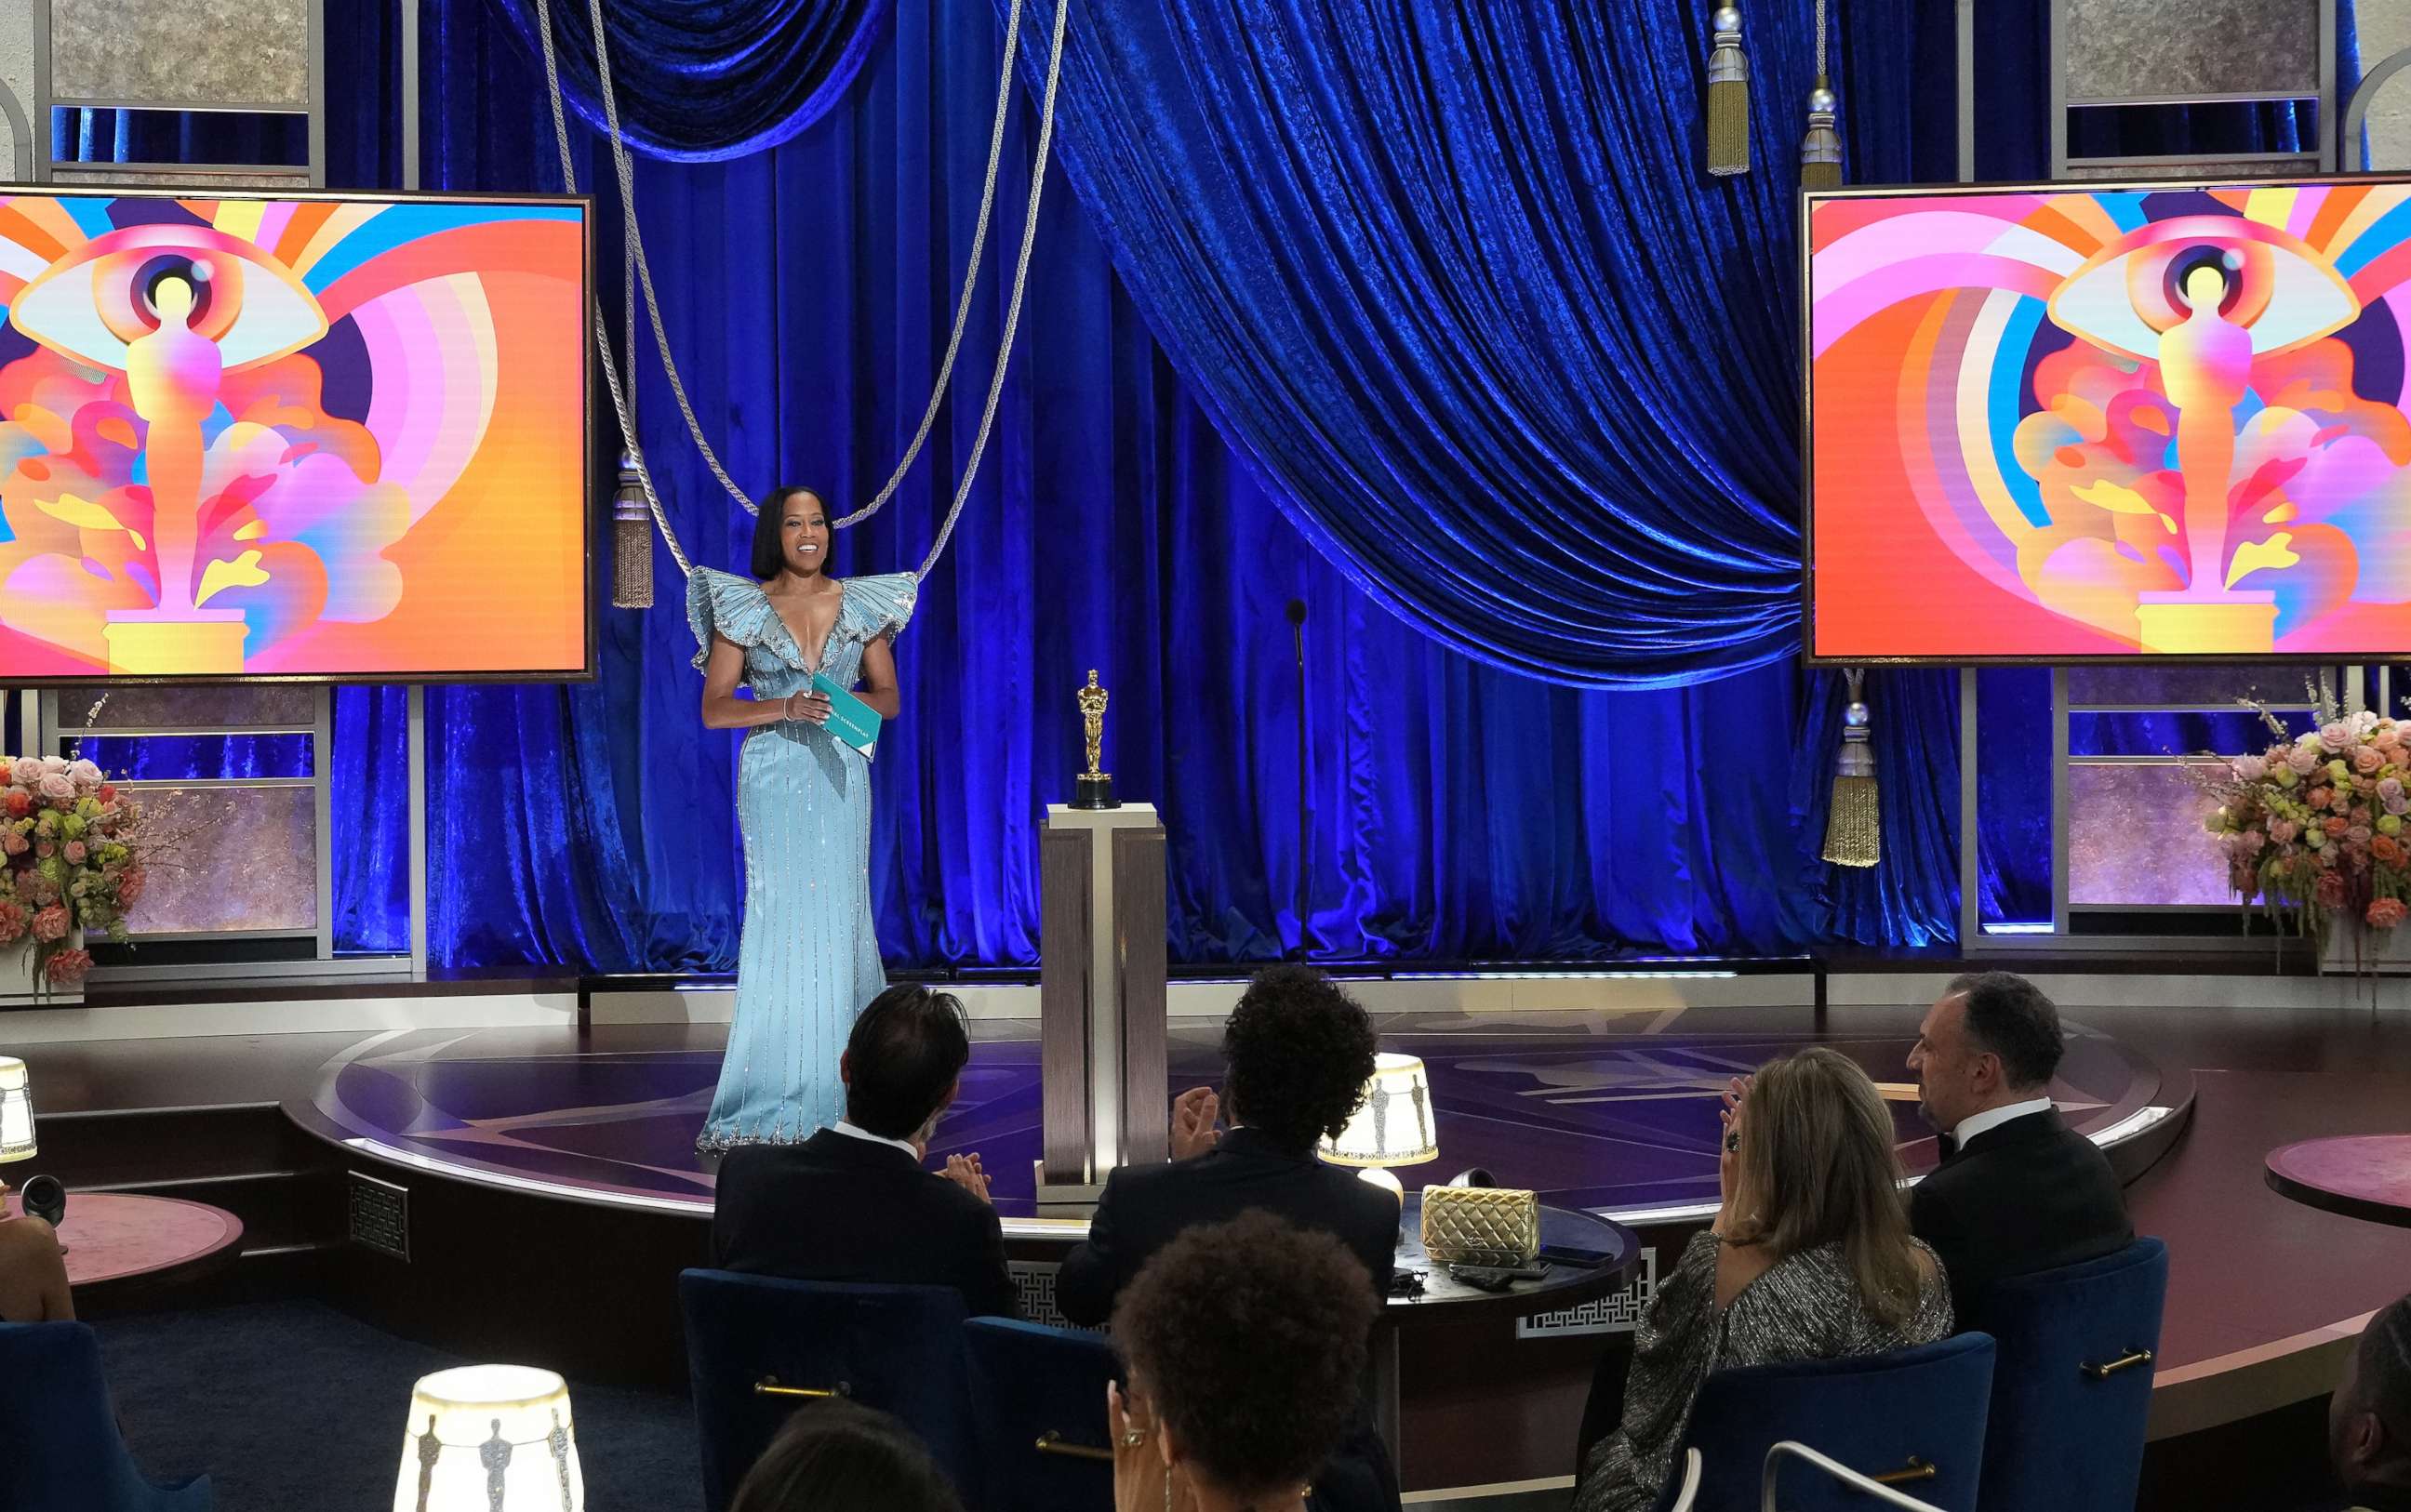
<point x="1094" y="788"/>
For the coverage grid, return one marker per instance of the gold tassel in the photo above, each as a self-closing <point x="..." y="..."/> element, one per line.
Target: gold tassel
<point x="1728" y="96"/>
<point x="1821" y="150"/>
<point x="1854" y="819"/>
<point x="631" y="541"/>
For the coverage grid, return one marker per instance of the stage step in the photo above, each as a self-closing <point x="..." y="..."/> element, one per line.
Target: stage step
<point x="124" y="1149"/>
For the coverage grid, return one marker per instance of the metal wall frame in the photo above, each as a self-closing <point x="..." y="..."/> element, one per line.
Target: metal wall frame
<point x="39" y="728"/>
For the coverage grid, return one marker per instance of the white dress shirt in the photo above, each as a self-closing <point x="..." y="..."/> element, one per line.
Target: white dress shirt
<point x="852" y="1132"/>
<point x="1970" y="1127"/>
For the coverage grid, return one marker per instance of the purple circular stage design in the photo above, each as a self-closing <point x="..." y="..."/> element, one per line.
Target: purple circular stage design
<point x="1601" y="1110"/>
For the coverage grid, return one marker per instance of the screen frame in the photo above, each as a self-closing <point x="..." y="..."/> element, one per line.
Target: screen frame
<point x="1809" y="199"/>
<point x="590" y="670"/>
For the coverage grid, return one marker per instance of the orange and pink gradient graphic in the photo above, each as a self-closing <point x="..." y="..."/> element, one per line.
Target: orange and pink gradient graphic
<point x="317" y="438"/>
<point x="2055" y="425"/>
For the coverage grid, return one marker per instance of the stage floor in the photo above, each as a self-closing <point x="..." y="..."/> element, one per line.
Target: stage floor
<point x="1615" y="1112"/>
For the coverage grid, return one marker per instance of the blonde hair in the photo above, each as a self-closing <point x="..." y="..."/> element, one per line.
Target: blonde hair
<point x="1818" y="1167"/>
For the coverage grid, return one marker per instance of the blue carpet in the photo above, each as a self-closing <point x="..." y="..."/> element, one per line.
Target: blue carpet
<point x="295" y="1407"/>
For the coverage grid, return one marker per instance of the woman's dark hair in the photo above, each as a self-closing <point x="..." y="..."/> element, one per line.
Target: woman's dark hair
<point x="768" y="560"/>
<point x="902" y="1056"/>
<point x="839" y="1456"/>
<point x="1297" y="1052"/>
<point x="1248" y="1338"/>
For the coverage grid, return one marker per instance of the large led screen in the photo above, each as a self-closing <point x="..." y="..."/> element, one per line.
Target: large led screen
<point x="301" y="437"/>
<point x="2151" y="422"/>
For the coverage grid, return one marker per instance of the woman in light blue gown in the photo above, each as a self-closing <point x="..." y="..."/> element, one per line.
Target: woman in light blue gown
<point x="808" y="959"/>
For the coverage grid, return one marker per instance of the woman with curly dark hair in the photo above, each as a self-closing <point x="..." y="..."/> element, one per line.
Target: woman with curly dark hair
<point x="1245" y="1342"/>
<point x="1297" y="1052"/>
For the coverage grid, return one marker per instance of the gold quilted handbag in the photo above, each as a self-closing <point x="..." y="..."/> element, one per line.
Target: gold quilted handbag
<point x="1481" y="1226"/>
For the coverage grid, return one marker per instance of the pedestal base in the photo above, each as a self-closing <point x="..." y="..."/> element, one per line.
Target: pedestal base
<point x="2243" y="624"/>
<point x="209" y="644"/>
<point x="1095" y="790"/>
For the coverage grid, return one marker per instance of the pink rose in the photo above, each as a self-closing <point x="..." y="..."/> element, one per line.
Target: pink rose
<point x="2284" y="831"/>
<point x="45" y="848"/>
<point x="66" y="968"/>
<point x="11" y="842"/>
<point x="2335" y="826"/>
<point x="2337" y="736"/>
<point x="2250" y="768"/>
<point x="2320" y="797"/>
<point x="2359" y="814"/>
<point x="2385" y="913"/>
<point x="2389" y="787"/>
<point x="50" y="923"/>
<point x="57" y="785"/>
<point x="129" y="886"/>
<point x="2304" y="760"/>
<point x="26" y="770"/>
<point x="2328" y="892"/>
<point x="2357" y="835"/>
<point x="2366" y="761"/>
<point x="74" y="852"/>
<point x="12" y="923"/>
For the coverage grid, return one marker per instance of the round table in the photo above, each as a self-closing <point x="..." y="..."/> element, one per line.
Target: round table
<point x="120" y="1242"/>
<point x="1446" y="1299"/>
<point x="2358" y="1176"/>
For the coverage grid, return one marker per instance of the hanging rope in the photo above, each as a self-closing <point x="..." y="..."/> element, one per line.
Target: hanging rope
<point x="641" y="273"/>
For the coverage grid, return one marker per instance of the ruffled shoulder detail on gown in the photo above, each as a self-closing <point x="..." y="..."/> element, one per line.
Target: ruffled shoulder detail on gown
<point x="735" y="607"/>
<point x="879" y="606"/>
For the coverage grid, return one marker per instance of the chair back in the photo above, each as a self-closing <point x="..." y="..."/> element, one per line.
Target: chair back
<point x="62" y="1452"/>
<point x="2074" y="1383"/>
<point x="759" y="1347"/>
<point x="1040" y="1394"/>
<point x="1912" y="1418"/>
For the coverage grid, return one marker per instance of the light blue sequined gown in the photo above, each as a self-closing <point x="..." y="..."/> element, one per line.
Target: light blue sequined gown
<point x="808" y="959"/>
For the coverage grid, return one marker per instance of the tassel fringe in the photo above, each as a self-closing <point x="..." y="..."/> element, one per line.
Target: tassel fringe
<point x="632" y="541"/>
<point x="1728" y="96"/>
<point x="1854" y="820"/>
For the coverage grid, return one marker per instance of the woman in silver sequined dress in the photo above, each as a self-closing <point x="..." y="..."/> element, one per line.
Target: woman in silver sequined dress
<point x="808" y="959"/>
<point x="1809" y="1258"/>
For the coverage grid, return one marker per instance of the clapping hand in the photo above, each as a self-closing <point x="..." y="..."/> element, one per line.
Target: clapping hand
<point x="1193" y="1122"/>
<point x="1737" y="1097"/>
<point x="964" y="1171"/>
<point x="1143" y="1480"/>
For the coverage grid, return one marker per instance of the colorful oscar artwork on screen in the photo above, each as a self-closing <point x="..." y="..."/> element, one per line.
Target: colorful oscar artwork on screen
<point x="312" y="437"/>
<point x="2059" y="424"/>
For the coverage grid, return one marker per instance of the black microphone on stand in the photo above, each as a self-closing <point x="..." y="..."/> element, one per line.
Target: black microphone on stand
<point x="1297" y="635"/>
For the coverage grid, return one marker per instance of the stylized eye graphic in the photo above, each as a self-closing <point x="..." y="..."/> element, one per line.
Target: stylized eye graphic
<point x="2132" y="290"/>
<point x="90" y="307"/>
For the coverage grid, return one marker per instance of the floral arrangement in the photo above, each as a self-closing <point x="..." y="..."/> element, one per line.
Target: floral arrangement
<point x="2314" y="826"/>
<point x="68" y="860"/>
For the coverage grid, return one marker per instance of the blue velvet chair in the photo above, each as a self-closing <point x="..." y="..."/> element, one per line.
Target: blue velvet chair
<point x="1917" y="1414"/>
<point x="2074" y="1382"/>
<point x="1040" y="1398"/>
<point x="759" y="1347"/>
<point x="61" y="1451"/>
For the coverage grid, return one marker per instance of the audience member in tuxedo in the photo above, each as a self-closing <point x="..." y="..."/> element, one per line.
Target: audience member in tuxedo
<point x="2018" y="1190"/>
<point x="2369" y="1417"/>
<point x="838" y="1456"/>
<point x="1809" y="1258"/>
<point x="851" y="1203"/>
<point x="1246" y="1347"/>
<point x="32" y="1271"/>
<point x="1297" y="1054"/>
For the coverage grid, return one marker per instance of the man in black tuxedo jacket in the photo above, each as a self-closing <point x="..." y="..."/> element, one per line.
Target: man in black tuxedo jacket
<point x="2018" y="1190"/>
<point x="1298" y="1054"/>
<point x="851" y="1203"/>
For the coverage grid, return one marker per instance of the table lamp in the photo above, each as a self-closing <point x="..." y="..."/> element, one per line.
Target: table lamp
<point x="16" y="1111"/>
<point x="490" y="1438"/>
<point x="1392" y="1128"/>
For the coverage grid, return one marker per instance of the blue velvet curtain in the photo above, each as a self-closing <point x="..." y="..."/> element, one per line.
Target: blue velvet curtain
<point x="700" y="80"/>
<point x="1458" y="810"/>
